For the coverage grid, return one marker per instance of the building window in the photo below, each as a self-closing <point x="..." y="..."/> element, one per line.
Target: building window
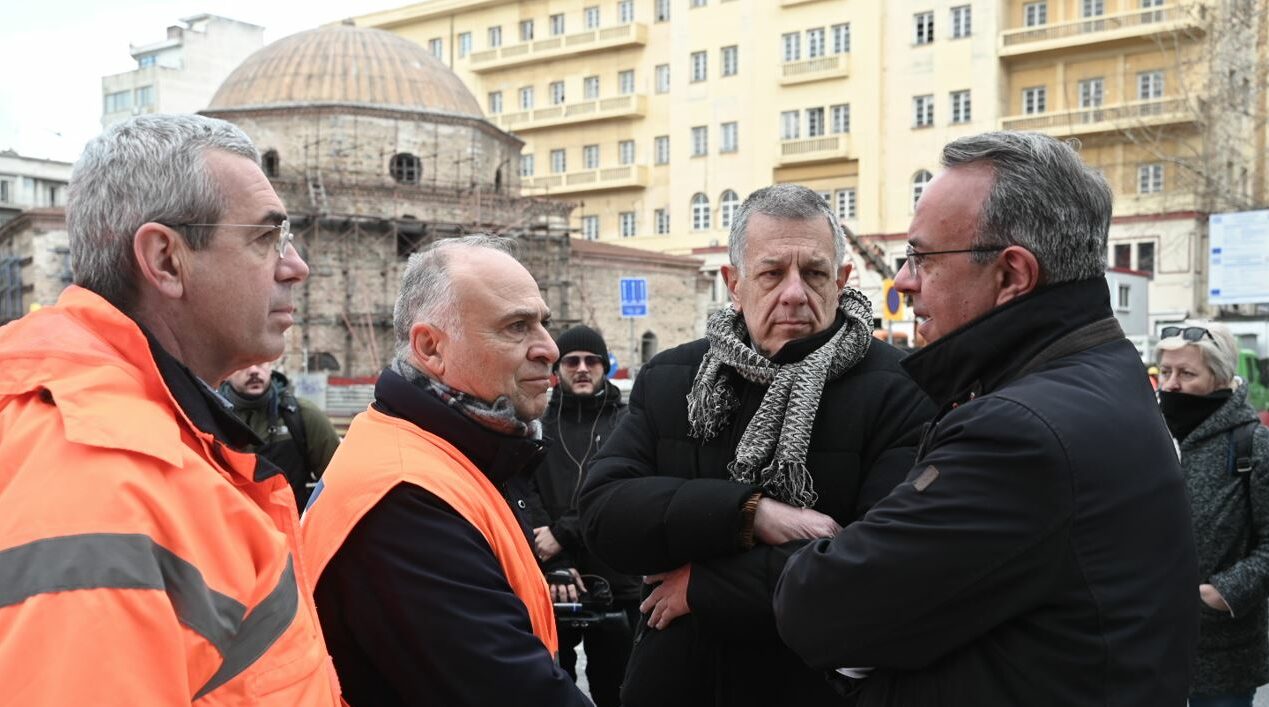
<point x="590" y="157"/>
<point x="923" y="111"/>
<point x="1150" y="178"/>
<point x="662" y="218"/>
<point x="557" y="92"/>
<point x="404" y="168"/>
<point x="557" y="24"/>
<point x="841" y="38"/>
<point x="919" y="180"/>
<point x="1092" y="8"/>
<point x="118" y="101"/>
<point x="495" y="37"/>
<point x="436" y="47"/>
<point x="626" y="219"/>
<point x="698" y="3"/>
<point x="526" y="30"/>
<point x="268" y="163"/>
<point x="591" y="16"/>
<point x="729" y="140"/>
<point x="590" y="228"/>
<point x="727" y="205"/>
<point x="626" y="152"/>
<point x="145" y="96"/>
<point x="1035" y="14"/>
<point x="1125" y="296"/>
<point x="661" y="149"/>
<point x="464" y="44"/>
<point x="700" y="66"/>
<point x="815" y="43"/>
<point x="1092" y="92"/>
<point x="495" y="102"/>
<point x="146" y="61"/>
<point x="700" y="141"/>
<point x="1123" y="256"/>
<point x="625" y="12"/>
<point x="960" y="106"/>
<point x="1145" y="257"/>
<point x="845" y="204"/>
<point x="625" y="82"/>
<point x="559" y="164"/>
<point x="824" y="197"/>
<point x="700" y="212"/>
<point x="1033" y="100"/>
<point x="4" y="191"/>
<point x="1153" y="16"/>
<point x="923" y="28"/>
<point x="789" y="125"/>
<point x="814" y="122"/>
<point x="663" y="78"/>
<point x="961" y="21"/>
<point x="526" y="165"/>
<point x="590" y="88"/>
<point x="526" y="98"/>
<point x="840" y="120"/>
<point x="1149" y="85"/>
<point x="730" y="60"/>
<point x="663" y="11"/>
<point x="792" y="43"/>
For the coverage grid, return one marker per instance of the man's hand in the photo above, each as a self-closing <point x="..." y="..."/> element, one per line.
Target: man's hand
<point x="567" y="592"/>
<point x="545" y="544"/>
<point x="668" y="601"/>
<point x="1212" y="597"/>
<point x="776" y="523"/>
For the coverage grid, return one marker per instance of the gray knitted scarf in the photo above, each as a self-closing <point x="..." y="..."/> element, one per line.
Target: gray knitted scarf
<point x="499" y="416"/>
<point x="772" y="450"/>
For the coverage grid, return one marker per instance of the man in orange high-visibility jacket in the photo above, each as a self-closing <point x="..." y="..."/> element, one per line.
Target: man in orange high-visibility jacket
<point x="427" y="586"/>
<point x="144" y="561"/>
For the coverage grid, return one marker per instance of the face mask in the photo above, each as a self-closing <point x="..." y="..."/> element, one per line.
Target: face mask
<point x="1184" y="412"/>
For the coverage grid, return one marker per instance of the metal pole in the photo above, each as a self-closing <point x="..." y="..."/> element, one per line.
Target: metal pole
<point x="633" y="351"/>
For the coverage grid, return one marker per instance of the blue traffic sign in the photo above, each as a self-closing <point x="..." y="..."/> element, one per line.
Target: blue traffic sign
<point x="634" y="297"/>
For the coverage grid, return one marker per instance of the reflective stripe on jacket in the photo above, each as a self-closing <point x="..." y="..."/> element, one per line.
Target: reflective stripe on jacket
<point x="141" y="562"/>
<point x="378" y="446"/>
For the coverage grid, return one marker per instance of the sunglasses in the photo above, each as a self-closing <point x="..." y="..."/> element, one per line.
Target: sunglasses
<point x="1189" y="333"/>
<point x="574" y="361"/>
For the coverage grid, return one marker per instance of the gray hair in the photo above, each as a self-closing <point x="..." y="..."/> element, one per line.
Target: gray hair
<point x="147" y="169"/>
<point x="427" y="292"/>
<point x="1043" y="198"/>
<point x="1220" y="352"/>
<point x="787" y="201"/>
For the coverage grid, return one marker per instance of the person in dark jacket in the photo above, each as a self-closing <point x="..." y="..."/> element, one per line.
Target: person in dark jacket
<point x="584" y="409"/>
<point x="1039" y="552"/>
<point x="1225" y="459"/>
<point x="430" y="592"/>
<point x="782" y="425"/>
<point x="294" y="433"/>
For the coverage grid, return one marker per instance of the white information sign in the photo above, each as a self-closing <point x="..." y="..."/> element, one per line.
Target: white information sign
<point x="1239" y="258"/>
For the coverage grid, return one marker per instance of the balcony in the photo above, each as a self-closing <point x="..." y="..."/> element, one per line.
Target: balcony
<point x="1104" y="119"/>
<point x="816" y="149"/>
<point x="1117" y="27"/>
<point x="790" y="3"/>
<point x="836" y="66"/>
<point x="631" y="106"/>
<point x="591" y="180"/>
<point x="629" y="35"/>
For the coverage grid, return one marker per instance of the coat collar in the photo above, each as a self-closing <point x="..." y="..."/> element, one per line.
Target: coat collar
<point x="1235" y="412"/>
<point x="989" y="351"/>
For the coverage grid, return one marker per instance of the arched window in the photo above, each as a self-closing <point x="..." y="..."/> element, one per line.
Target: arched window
<point x="269" y="163"/>
<point x="919" y="180"/>
<point x="647" y="346"/>
<point x="405" y="168"/>
<point x="700" y="212"/>
<point x="727" y="205"/>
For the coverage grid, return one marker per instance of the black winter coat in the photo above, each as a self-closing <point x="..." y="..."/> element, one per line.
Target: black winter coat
<point x="658" y="499"/>
<point x="1040" y="552"/>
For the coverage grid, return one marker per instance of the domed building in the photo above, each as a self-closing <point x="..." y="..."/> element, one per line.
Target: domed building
<point x="377" y="148"/>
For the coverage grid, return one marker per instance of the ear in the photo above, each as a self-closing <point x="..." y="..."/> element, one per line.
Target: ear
<point x="428" y="344"/>
<point x="1018" y="273"/>
<point x="843" y="273"/>
<point x="731" y="276"/>
<point x="162" y="259"/>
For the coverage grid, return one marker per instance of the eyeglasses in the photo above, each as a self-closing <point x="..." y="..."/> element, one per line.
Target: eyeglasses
<point x="285" y="237"/>
<point x="1189" y="333"/>
<point x="914" y="256"/>
<point x="575" y="361"/>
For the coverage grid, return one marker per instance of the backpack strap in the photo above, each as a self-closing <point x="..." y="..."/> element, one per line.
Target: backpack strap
<point x="1240" y="449"/>
<point x="289" y="407"/>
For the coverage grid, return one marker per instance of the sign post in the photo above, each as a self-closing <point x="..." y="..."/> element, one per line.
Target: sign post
<point x="634" y="303"/>
<point x="892" y="309"/>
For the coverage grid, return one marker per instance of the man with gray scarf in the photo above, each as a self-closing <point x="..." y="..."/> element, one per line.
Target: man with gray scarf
<point x="783" y="425"/>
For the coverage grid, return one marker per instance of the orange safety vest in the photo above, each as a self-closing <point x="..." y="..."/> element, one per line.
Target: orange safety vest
<point x="140" y="562"/>
<point x="380" y="452"/>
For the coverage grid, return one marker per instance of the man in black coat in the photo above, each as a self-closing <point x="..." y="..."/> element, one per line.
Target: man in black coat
<point x="1040" y="551"/>
<point x="584" y="409"/>
<point x="784" y="424"/>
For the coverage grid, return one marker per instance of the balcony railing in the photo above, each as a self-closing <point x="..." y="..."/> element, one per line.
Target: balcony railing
<point x="1103" y="28"/>
<point x="816" y="149"/>
<point x="593" y="40"/>
<point x="1105" y="118"/>
<point x="819" y="68"/>
<point x="624" y="177"/>
<point x="631" y="106"/>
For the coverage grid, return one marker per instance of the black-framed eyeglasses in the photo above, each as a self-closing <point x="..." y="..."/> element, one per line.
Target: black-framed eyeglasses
<point x="285" y="237"/>
<point x="576" y="360"/>
<point x="915" y="256"/>
<point x="1189" y="333"/>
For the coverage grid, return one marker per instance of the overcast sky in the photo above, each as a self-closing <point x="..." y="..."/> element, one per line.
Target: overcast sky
<point x="54" y="53"/>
